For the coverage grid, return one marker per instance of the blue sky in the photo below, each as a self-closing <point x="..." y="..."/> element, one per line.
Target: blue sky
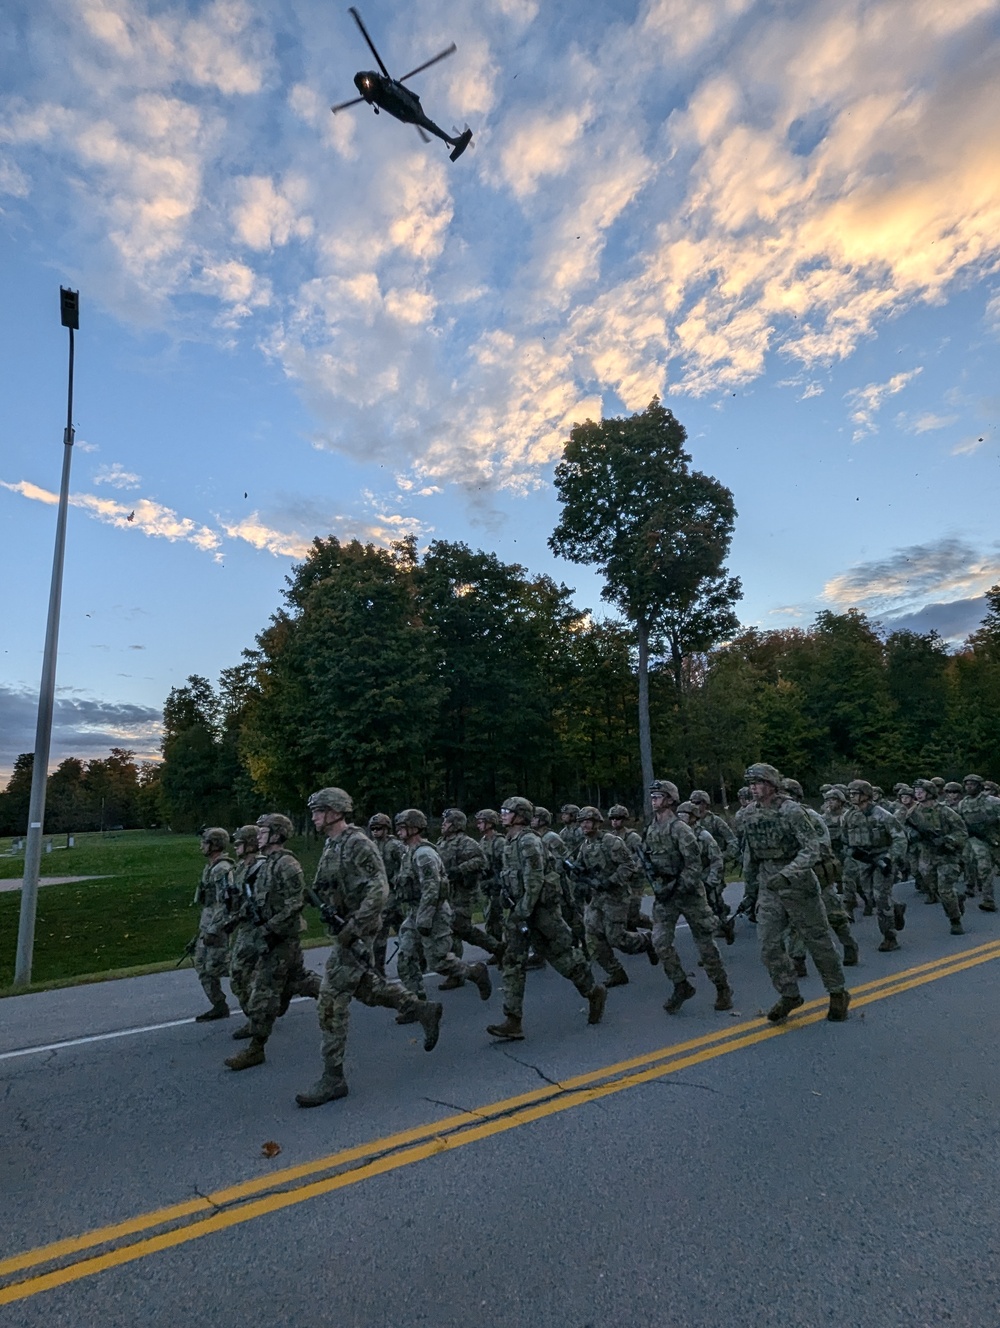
<point x="783" y="218"/>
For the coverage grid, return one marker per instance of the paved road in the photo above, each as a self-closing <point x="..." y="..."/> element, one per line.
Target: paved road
<point x="701" y="1170"/>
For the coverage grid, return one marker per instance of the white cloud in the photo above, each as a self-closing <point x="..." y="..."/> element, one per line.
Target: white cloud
<point x="117" y="476"/>
<point x="945" y="569"/>
<point x="866" y="402"/>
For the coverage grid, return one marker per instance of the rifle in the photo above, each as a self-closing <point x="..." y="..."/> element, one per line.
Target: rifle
<point x="872" y="858"/>
<point x="585" y="884"/>
<point x="189" y="949"/>
<point x="656" y="876"/>
<point x="336" y="923"/>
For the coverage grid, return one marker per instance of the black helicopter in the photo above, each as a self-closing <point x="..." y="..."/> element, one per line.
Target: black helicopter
<point x="383" y="92"/>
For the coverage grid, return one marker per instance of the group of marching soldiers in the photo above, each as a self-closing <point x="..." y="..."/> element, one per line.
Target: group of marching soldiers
<point x="572" y="897"/>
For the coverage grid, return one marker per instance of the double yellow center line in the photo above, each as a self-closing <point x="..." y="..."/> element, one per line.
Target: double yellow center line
<point x="127" y="1241"/>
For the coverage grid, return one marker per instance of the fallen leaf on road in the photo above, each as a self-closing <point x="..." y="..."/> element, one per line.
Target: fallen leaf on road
<point x="270" y="1149"/>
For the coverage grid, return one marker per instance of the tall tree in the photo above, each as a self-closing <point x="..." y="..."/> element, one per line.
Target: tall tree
<point x="659" y="532"/>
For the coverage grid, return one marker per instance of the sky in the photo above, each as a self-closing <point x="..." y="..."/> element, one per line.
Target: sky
<point x="783" y="218"/>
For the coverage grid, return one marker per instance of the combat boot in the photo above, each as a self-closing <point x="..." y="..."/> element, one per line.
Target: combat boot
<point x="899" y="916"/>
<point x="651" y="954"/>
<point x="429" y="1014"/>
<point x="988" y="906"/>
<point x="408" y="1016"/>
<point x="451" y="984"/>
<point x="889" y="943"/>
<point x="619" y="979"/>
<point x="850" y="952"/>
<point x="956" y="927"/>
<point x="242" y="1033"/>
<point x="510" y="1029"/>
<point x="219" y="1011"/>
<point x="727" y="929"/>
<point x="535" y="961"/>
<point x="479" y="974"/>
<point x="683" y="991"/>
<point x="961" y="904"/>
<point x="245" y="1060"/>
<point x="800" y="966"/>
<point x="839" y="1001"/>
<point x="783" y="1007"/>
<point x="311" y="985"/>
<point x="724" y="999"/>
<point x="328" y="1088"/>
<point x="596" y="1001"/>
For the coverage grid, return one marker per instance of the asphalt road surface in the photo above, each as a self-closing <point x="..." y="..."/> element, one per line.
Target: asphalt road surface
<point x="697" y="1171"/>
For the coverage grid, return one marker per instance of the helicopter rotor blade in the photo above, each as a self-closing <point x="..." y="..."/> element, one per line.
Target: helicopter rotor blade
<point x="343" y="105"/>
<point x="426" y="137"/>
<point x="427" y="63"/>
<point x="364" y="32"/>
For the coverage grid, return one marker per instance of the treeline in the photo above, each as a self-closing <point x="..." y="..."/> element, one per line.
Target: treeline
<point x="453" y="678"/>
<point x="86" y="795"/>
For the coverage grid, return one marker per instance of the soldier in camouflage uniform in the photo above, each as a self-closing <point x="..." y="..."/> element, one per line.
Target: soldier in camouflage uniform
<point x="214" y="894"/>
<point x="491" y="842"/>
<point x="570" y="832"/>
<point x="351" y="888"/>
<point x="952" y="794"/>
<point x="943" y="837"/>
<point x="608" y="867"/>
<point x="555" y="861"/>
<point x="876" y="846"/>
<point x="716" y="826"/>
<point x="618" y="817"/>
<point x="533" y="896"/>
<point x="675" y="867"/>
<point x="465" y="864"/>
<point x="828" y="873"/>
<point x="713" y="871"/>
<point x="911" y="870"/>
<point x="244" y="941"/>
<point x="782" y="848"/>
<point x="981" y="815"/>
<point x="392" y="853"/>
<point x="276" y="911"/>
<point x="425" y="936"/>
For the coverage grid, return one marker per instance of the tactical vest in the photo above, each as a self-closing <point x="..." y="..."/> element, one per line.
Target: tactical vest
<point x="768" y="835"/>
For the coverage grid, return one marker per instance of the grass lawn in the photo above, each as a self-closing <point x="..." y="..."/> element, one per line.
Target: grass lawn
<point x="142" y="916"/>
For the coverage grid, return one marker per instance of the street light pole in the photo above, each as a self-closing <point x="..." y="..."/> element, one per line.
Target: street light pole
<point x="69" y="301"/>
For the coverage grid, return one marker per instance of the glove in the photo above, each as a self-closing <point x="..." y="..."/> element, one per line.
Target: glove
<point x="347" y="936"/>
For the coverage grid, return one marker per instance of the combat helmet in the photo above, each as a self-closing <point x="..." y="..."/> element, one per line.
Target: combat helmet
<point x="247" y="836"/>
<point x="928" y="786"/>
<point x="792" y="787"/>
<point x="667" y="788"/>
<point x="700" y="798"/>
<point x="489" y="817"/>
<point x="938" y="782"/>
<point x="591" y="814"/>
<point x="975" y="779"/>
<point x="859" y="787"/>
<point x="412" y="817"/>
<point x="542" y="815"/>
<point x="379" y="821"/>
<point x="762" y="773"/>
<point x="953" y="786"/>
<point x="519" y="807"/>
<point x="331" y="800"/>
<point x="836" y="793"/>
<point x="278" y="827"/>
<point x="619" y="812"/>
<point x="686" y="809"/>
<point x="215" y="838"/>
<point x="453" y="816"/>
<point x="569" y="809"/>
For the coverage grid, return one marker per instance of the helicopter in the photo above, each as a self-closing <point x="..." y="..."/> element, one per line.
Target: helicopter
<point x="383" y="92"/>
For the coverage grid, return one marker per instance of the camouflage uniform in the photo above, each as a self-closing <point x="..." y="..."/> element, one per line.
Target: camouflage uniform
<point x="828" y="873"/>
<point x="633" y="842"/>
<point x="573" y="902"/>
<point x="211" y="953"/>
<point x="611" y="869"/>
<point x="678" y="891"/>
<point x="491" y="844"/>
<point x="465" y="865"/>
<point x="782" y="848"/>
<point x="246" y="945"/>
<point x="875" y="844"/>
<point x="981" y="815"/>
<point x="351" y="879"/>
<point x="570" y="833"/>
<point x="943" y="837"/>
<point x="392" y="853"/>
<point x="536" y="922"/>
<point x="278" y="890"/>
<point x="425" y="934"/>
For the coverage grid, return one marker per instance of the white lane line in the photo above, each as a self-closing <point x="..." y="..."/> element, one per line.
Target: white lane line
<point x="106" y="1037"/>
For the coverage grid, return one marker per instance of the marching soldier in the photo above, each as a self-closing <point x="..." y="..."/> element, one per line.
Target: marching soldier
<point x="618" y="816"/>
<point x="214" y="893"/>
<point x="465" y="865"/>
<point x="608" y="867"/>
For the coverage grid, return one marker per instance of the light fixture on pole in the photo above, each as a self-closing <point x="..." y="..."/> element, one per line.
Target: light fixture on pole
<point x="69" y="303"/>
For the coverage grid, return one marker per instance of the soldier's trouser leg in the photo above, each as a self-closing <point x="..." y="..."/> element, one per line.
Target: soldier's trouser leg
<point x="244" y="955"/>
<point x="515" y="959"/>
<point x="881" y="889"/>
<point x="943" y="877"/>
<point x="989" y="879"/>
<point x="300" y="980"/>
<point x="615" y="926"/>
<point x="211" y="962"/>
<point x="799" y="902"/>
<point x="702" y="921"/>
<point x="553" y="940"/>
<point x="463" y="927"/>
<point x="410" y="965"/>
<point x="634" y="907"/>
<point x="837" y="916"/>
<point x="979" y="868"/>
<point x="268" y="988"/>
<point x="794" y="944"/>
<point x="493" y="919"/>
<point x="438" y="951"/>
<point x="598" y="943"/>
<point x="927" y="872"/>
<point x="849" y="884"/>
<point x="665" y="918"/>
<point x="345" y="977"/>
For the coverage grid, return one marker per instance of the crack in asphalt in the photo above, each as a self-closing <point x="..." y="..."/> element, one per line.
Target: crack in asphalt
<point x="685" y="1083"/>
<point x="452" y="1106"/>
<point x="540" y="1072"/>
